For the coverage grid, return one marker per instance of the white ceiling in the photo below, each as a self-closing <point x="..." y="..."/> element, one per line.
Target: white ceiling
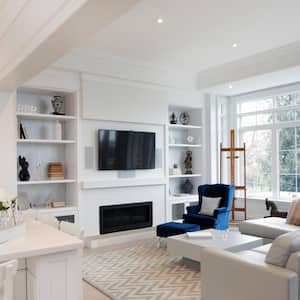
<point x="198" y="34"/>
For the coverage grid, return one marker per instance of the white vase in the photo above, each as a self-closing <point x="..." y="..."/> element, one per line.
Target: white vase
<point x="58" y="130"/>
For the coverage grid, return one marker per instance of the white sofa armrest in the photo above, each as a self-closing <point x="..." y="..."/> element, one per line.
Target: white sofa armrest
<point x="228" y="276"/>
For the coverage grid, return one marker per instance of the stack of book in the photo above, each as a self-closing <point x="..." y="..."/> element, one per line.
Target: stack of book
<point x="55" y="170"/>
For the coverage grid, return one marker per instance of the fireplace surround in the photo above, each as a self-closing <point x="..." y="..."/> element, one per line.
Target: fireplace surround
<point x="121" y="217"/>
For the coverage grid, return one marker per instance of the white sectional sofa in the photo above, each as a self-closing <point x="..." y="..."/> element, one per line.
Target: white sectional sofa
<point x="246" y="276"/>
<point x="267" y="228"/>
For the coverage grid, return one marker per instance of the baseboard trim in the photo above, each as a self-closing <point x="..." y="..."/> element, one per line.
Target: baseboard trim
<point x="119" y="238"/>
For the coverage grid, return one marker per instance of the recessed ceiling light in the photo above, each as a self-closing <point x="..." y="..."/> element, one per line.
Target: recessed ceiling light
<point x="160" y="20"/>
<point x="230" y="86"/>
<point x="234" y="45"/>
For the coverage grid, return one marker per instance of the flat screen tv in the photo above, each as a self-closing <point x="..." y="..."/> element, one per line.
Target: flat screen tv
<point x="126" y="150"/>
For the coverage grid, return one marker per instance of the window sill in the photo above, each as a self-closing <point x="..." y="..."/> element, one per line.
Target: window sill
<point x="253" y="198"/>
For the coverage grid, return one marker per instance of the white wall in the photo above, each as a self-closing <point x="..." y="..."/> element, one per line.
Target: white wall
<point x="8" y="134"/>
<point x="110" y="103"/>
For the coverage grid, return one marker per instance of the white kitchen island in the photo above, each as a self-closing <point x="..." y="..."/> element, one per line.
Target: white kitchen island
<point x="49" y="263"/>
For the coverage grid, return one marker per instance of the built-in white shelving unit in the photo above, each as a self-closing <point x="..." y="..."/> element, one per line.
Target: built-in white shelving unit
<point x="42" y="147"/>
<point x="183" y="138"/>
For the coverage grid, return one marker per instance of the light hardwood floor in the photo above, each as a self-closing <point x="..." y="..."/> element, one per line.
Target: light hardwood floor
<point x="90" y="293"/>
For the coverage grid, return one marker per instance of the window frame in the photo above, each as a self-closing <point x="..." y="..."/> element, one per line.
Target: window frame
<point x="274" y="126"/>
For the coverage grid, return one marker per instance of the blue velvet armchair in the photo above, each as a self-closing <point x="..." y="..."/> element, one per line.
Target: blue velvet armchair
<point x="221" y="216"/>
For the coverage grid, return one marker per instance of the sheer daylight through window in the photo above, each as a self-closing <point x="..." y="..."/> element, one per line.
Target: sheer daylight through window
<point x="270" y="127"/>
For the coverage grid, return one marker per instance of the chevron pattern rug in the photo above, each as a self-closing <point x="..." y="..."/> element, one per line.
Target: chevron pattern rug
<point x="141" y="272"/>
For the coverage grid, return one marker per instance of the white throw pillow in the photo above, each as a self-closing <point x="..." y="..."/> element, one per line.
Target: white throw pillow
<point x="282" y="247"/>
<point x="209" y="204"/>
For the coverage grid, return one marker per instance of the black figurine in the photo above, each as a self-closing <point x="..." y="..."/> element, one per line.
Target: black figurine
<point x="24" y="173"/>
<point x="173" y="119"/>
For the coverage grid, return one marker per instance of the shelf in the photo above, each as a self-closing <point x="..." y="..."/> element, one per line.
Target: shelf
<point x="180" y="126"/>
<point x="44" y="141"/>
<point x="48" y="181"/>
<point x="185" y="175"/>
<point x="186" y="145"/>
<point x="36" y="116"/>
<point x="183" y="198"/>
<point x="102" y="184"/>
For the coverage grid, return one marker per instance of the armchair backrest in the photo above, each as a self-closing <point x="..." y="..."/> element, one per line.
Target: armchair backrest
<point x="225" y="191"/>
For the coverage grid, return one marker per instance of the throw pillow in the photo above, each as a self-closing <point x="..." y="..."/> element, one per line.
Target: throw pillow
<point x="293" y="216"/>
<point x="209" y="204"/>
<point x="282" y="247"/>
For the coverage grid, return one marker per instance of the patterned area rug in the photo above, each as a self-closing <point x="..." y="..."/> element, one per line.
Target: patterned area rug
<point x="141" y="272"/>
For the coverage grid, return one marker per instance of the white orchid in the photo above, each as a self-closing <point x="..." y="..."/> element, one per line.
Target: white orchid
<point x="6" y="200"/>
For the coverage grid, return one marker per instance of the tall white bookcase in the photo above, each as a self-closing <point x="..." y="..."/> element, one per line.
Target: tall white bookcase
<point x="42" y="147"/>
<point x="177" y="146"/>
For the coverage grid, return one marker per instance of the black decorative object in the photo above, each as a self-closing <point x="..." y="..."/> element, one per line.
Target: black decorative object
<point x="187" y="187"/>
<point x="58" y="105"/>
<point x="24" y="173"/>
<point x="188" y="163"/>
<point x="274" y="209"/>
<point x="184" y="118"/>
<point x="22" y="133"/>
<point x="173" y="119"/>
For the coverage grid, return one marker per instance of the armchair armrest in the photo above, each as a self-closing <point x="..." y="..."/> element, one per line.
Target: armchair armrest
<point x="220" y="210"/>
<point x="194" y="209"/>
<point x="244" y="279"/>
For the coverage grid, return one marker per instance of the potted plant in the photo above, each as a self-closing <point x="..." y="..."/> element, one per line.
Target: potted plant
<point x="10" y="226"/>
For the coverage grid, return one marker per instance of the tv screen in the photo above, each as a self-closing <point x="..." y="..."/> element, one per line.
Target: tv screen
<point x="126" y="150"/>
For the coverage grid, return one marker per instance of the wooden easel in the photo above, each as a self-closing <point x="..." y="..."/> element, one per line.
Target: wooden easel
<point x="232" y="158"/>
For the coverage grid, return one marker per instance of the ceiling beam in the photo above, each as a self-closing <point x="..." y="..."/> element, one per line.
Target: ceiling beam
<point x="63" y="31"/>
<point x="262" y="63"/>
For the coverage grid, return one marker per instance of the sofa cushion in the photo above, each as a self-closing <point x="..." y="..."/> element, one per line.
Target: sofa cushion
<point x="262" y="249"/>
<point x="282" y="247"/>
<point x="269" y="228"/>
<point x="290" y="212"/>
<point x="209" y="204"/>
<point x="294" y="213"/>
<point x="252" y="256"/>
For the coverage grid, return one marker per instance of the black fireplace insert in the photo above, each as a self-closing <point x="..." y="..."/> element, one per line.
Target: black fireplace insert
<point x="122" y="217"/>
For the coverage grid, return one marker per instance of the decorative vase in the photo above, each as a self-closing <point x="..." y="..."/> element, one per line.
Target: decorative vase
<point x="187" y="187"/>
<point x="58" y="130"/>
<point x="58" y="105"/>
<point x="184" y="118"/>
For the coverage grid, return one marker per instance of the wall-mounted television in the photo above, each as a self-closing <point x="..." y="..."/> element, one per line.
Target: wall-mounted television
<point x="125" y="150"/>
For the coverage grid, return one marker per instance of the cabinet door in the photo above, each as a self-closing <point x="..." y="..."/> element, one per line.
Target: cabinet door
<point x="32" y="287"/>
<point x="20" y="285"/>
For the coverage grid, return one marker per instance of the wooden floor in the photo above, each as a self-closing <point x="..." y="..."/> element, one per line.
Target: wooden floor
<point x="90" y="293"/>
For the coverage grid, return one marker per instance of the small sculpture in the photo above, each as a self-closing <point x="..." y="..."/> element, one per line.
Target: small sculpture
<point x="184" y="118"/>
<point x="188" y="164"/>
<point x="24" y="173"/>
<point x="187" y="187"/>
<point x="274" y="210"/>
<point x="190" y="139"/>
<point x="173" y="119"/>
<point x="58" y="105"/>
